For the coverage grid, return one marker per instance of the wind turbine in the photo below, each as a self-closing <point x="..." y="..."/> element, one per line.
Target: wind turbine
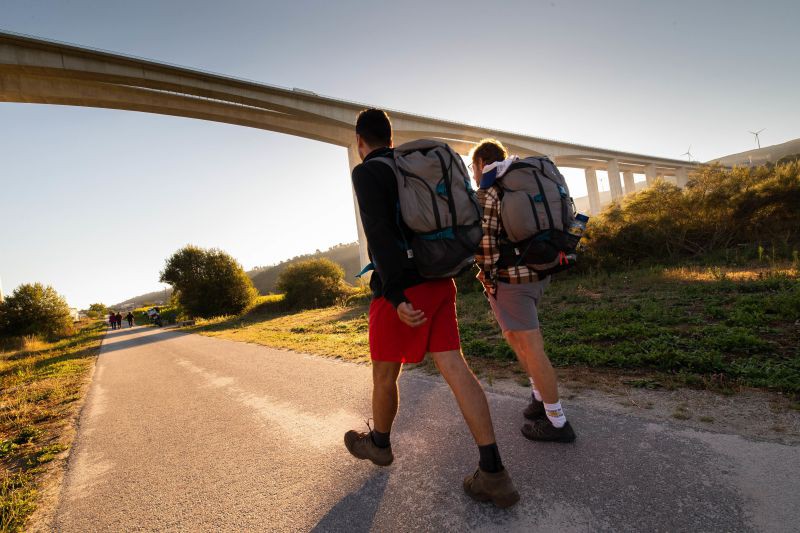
<point x="688" y="153"/>
<point x="758" y="141"/>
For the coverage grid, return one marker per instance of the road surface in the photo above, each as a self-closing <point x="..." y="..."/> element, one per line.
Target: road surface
<point x="184" y="432"/>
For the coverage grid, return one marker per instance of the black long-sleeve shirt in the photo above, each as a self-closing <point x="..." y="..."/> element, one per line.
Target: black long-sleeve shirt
<point x="376" y="189"/>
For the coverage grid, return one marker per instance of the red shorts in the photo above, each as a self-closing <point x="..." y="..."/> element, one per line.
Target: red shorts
<point x="392" y="340"/>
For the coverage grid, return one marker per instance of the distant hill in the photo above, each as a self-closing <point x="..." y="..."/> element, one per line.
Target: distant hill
<point x="151" y="298"/>
<point x="777" y="153"/>
<point x="265" y="278"/>
<point x="346" y="255"/>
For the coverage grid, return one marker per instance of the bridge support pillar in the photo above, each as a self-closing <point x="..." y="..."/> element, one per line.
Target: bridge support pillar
<point x="592" y="190"/>
<point x="614" y="182"/>
<point x="681" y="177"/>
<point x="354" y="159"/>
<point x="630" y="183"/>
<point x="650" y="174"/>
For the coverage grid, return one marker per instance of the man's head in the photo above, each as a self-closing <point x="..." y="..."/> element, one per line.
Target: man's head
<point x="373" y="130"/>
<point x="486" y="152"/>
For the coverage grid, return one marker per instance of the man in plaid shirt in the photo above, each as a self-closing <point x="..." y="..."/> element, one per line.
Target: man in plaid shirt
<point x="514" y="293"/>
<point x="489" y="253"/>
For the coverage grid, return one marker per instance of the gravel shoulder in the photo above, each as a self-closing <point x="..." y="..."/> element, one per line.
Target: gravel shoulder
<point x="756" y="414"/>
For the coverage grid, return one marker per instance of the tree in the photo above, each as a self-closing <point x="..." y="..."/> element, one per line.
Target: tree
<point x="97" y="310"/>
<point x="208" y="282"/>
<point x="313" y="283"/>
<point x="720" y="209"/>
<point x="35" y="309"/>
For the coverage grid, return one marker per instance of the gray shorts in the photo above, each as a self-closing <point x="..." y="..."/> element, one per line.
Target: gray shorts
<point x="515" y="304"/>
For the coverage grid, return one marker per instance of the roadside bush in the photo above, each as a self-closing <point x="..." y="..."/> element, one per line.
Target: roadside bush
<point x="208" y="282"/>
<point x="718" y="210"/>
<point x="97" y="310"/>
<point x="35" y="309"/>
<point x="169" y="314"/>
<point x="313" y="283"/>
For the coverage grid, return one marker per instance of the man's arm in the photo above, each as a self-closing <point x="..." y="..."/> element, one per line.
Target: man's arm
<point x="378" y="209"/>
<point x="488" y="253"/>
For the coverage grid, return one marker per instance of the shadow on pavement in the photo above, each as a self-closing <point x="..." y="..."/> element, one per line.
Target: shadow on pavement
<point x="161" y="335"/>
<point x="620" y="471"/>
<point x="114" y="333"/>
<point x="356" y="511"/>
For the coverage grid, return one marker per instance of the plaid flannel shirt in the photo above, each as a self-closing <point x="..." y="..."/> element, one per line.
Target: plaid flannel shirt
<point x="489" y="252"/>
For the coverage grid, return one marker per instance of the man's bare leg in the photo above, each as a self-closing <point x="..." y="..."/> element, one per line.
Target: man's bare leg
<point x="529" y="347"/>
<point x="469" y="394"/>
<point x="375" y="444"/>
<point x="385" y="394"/>
<point x="491" y="482"/>
<point x="547" y="419"/>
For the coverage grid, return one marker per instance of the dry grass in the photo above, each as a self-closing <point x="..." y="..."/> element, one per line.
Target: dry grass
<point x="718" y="328"/>
<point x="334" y="331"/>
<point x="711" y="274"/>
<point x="40" y="384"/>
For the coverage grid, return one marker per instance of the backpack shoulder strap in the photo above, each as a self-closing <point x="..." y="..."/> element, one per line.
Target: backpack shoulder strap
<point x="521" y="164"/>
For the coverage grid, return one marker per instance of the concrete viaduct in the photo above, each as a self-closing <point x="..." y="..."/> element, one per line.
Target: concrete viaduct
<point x="34" y="70"/>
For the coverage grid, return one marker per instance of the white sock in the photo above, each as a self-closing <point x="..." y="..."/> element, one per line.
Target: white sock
<point x="536" y="395"/>
<point x="555" y="414"/>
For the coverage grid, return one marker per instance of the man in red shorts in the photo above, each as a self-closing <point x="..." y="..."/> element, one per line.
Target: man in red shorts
<point x="409" y="317"/>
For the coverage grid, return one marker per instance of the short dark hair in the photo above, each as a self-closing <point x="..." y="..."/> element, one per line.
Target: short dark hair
<point x="489" y="151"/>
<point x="374" y="126"/>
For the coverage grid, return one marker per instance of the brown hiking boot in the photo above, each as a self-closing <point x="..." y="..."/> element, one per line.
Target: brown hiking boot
<point x="496" y="488"/>
<point x="543" y="430"/>
<point x="535" y="410"/>
<point x="361" y="446"/>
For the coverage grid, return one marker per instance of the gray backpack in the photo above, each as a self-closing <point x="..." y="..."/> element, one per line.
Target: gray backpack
<point x="438" y="203"/>
<point x="537" y="213"/>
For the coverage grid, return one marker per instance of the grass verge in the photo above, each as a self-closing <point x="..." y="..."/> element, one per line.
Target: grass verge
<point x="40" y="385"/>
<point x="708" y="327"/>
<point x="339" y="331"/>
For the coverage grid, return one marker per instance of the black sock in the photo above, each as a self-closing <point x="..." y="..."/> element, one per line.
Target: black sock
<point x="381" y="440"/>
<point x="490" y="458"/>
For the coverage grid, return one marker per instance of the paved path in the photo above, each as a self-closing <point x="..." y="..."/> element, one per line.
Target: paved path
<point x="184" y="432"/>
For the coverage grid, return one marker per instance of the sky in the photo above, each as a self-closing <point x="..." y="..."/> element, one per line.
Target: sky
<point x="93" y="201"/>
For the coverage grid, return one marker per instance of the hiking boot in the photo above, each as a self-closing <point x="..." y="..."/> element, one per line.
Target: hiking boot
<point x="535" y="410"/>
<point x="543" y="430"/>
<point x="496" y="488"/>
<point x="361" y="446"/>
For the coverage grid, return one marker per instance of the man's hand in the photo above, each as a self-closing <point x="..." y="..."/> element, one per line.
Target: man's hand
<point x="409" y="315"/>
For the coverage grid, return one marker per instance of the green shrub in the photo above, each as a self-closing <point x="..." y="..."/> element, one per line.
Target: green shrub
<point x="208" y="282"/>
<point x="97" y="310"/>
<point x="313" y="283"/>
<point x="35" y="309"/>
<point x="747" y="209"/>
<point x="169" y="314"/>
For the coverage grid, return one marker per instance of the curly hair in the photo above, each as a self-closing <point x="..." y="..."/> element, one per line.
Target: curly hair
<point x="489" y="151"/>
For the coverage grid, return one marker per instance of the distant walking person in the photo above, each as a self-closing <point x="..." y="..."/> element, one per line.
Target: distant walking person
<point x="514" y="293"/>
<point x="409" y="317"/>
<point x="119" y="320"/>
<point x="112" y="320"/>
<point x="129" y="318"/>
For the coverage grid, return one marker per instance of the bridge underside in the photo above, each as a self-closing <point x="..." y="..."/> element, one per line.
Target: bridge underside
<point x="42" y="72"/>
